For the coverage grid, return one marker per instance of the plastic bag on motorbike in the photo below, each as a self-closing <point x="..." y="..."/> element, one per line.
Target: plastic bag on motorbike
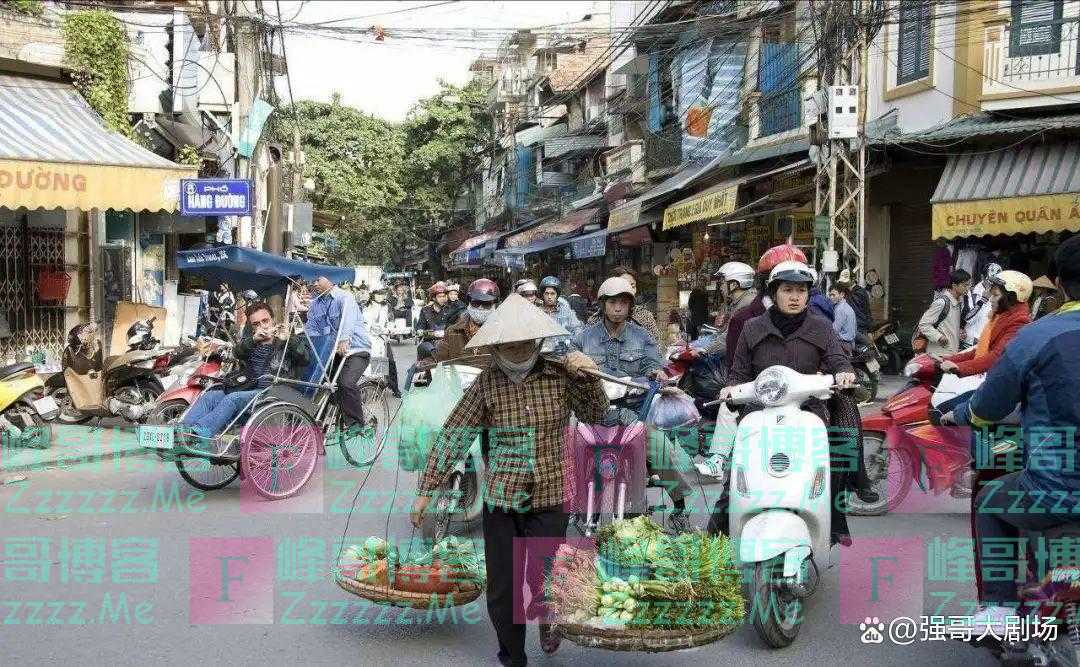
<point x="672" y="409"/>
<point x="709" y="375"/>
<point x="422" y="414"/>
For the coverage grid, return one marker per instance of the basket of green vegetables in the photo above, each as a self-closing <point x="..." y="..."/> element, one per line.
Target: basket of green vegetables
<point x="692" y="597"/>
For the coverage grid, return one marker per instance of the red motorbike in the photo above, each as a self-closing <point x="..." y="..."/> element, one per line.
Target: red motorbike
<point x="903" y="445"/>
<point x="193" y="376"/>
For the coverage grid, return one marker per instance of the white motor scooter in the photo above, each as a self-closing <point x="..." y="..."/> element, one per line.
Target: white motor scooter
<point x="779" y="514"/>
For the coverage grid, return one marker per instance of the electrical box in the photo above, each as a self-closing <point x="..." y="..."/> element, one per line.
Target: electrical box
<point x="830" y="261"/>
<point x="843" y="112"/>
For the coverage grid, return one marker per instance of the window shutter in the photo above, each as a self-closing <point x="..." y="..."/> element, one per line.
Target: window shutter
<point x="913" y="41"/>
<point x="1036" y="27"/>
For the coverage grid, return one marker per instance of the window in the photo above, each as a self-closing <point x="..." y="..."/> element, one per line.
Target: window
<point x="1036" y="27"/>
<point x="913" y="42"/>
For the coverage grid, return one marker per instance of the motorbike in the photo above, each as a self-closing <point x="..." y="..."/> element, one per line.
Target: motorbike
<point x="903" y="445"/>
<point x="25" y="410"/>
<point x="867" y="366"/>
<point x="191" y="379"/>
<point x="886" y="337"/>
<point x="127" y="385"/>
<point x="459" y="499"/>
<point x="701" y="377"/>
<point x="779" y="512"/>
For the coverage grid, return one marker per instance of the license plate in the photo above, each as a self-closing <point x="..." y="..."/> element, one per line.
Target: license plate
<point x="156" y="437"/>
<point x="872" y="365"/>
<point x="892" y="339"/>
<point x="46" y="405"/>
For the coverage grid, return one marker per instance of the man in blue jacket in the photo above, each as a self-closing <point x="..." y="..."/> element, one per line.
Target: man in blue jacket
<point x="1038" y="370"/>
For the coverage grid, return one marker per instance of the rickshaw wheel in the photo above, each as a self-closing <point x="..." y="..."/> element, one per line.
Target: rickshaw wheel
<point x="279" y="447"/>
<point x="206" y="476"/>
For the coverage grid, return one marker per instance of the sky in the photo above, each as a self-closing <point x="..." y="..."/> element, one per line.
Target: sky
<point x="385" y="79"/>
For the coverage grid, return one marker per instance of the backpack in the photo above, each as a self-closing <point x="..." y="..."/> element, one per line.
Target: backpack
<point x="919" y="342"/>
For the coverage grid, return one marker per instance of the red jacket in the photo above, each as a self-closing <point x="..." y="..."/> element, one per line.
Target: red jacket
<point x="1005" y="326"/>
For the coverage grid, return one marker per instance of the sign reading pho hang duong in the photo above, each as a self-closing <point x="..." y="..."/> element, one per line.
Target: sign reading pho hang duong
<point x="703" y="207"/>
<point x="215" y="196"/>
<point x="1015" y="215"/>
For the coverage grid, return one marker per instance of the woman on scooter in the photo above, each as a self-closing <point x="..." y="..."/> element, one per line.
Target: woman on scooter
<point x="789" y="334"/>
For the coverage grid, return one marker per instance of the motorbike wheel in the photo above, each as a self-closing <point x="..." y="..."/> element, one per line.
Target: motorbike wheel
<point x="37" y="433"/>
<point x="206" y="475"/>
<point x="890" y="474"/>
<point x="69" y="414"/>
<point x="895" y="363"/>
<point x="141" y="393"/>
<point x="169" y="412"/>
<point x="776" y="612"/>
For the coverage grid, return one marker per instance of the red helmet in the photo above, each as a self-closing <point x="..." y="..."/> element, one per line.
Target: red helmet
<point x="483" y="290"/>
<point x="437" y="288"/>
<point x="777" y="254"/>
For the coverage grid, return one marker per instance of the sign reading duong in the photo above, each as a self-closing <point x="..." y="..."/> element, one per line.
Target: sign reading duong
<point x="1016" y="215"/>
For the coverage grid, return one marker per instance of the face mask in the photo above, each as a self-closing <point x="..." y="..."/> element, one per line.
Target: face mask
<point x="478" y="315"/>
<point x="517" y="370"/>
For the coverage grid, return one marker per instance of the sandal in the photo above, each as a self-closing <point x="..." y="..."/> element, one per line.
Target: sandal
<point x="549" y="639"/>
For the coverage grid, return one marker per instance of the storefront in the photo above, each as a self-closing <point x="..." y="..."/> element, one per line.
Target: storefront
<point x="61" y="172"/>
<point x="1011" y="207"/>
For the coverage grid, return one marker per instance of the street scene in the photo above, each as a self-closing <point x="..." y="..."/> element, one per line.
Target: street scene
<point x="474" y="332"/>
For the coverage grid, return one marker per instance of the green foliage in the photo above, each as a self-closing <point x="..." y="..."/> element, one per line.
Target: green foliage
<point x="96" y="48"/>
<point x="395" y="185"/>
<point x="28" y="7"/>
<point x="189" y="155"/>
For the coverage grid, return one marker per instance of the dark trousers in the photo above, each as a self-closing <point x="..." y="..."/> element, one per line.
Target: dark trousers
<point x="350" y="397"/>
<point x="392" y="378"/>
<point x="507" y="574"/>
<point x="1003" y="509"/>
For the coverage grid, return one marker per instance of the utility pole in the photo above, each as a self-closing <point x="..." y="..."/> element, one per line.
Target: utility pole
<point x="243" y="27"/>
<point x="840" y="183"/>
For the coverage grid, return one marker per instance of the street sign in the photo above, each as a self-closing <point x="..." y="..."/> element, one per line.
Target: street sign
<point x="215" y="196"/>
<point x="821" y="227"/>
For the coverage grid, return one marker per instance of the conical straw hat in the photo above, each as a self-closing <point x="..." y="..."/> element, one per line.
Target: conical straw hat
<point x="513" y="321"/>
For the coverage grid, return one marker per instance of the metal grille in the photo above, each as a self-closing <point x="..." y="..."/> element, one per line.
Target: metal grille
<point x="24" y="252"/>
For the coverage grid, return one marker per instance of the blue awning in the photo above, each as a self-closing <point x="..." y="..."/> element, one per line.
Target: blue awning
<point x="246" y="268"/>
<point x="589" y="245"/>
<point x="512" y="258"/>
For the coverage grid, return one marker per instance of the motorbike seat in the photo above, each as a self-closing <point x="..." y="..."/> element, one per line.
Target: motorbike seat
<point x="12" y="369"/>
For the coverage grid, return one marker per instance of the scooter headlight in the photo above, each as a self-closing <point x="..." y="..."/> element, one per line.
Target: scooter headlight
<point x="771" y="386"/>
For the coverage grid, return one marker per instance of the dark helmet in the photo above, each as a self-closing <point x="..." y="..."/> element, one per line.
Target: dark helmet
<point x="483" y="290"/>
<point x="552" y="282"/>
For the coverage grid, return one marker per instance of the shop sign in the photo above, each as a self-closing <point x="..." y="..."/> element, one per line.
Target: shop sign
<point x="215" y="196"/>
<point x="821" y="227"/>
<point x="589" y="246"/>
<point x="702" y="207"/>
<point x="1016" y="215"/>
<point x="624" y="217"/>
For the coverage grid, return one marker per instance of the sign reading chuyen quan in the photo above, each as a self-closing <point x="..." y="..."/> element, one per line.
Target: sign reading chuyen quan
<point x="215" y="196"/>
<point x="1015" y="215"/>
<point x="702" y="207"/>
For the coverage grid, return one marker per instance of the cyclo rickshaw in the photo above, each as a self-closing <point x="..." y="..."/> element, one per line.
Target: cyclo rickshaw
<point x="401" y="319"/>
<point x="275" y="440"/>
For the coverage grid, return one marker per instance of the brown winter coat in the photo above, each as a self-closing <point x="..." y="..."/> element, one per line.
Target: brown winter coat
<point x="813" y="347"/>
<point x="452" y="346"/>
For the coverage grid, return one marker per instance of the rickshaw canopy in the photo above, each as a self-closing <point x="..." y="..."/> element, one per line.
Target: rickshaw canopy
<point x="247" y="268"/>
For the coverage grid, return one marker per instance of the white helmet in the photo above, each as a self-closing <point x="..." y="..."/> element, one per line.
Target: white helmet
<point x="792" y="272"/>
<point x="737" y="271"/>
<point x="614" y="287"/>
<point x="525" y="286"/>
<point x="1013" y="281"/>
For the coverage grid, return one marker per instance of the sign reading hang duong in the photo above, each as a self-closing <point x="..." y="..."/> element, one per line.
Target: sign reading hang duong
<point x="215" y="196"/>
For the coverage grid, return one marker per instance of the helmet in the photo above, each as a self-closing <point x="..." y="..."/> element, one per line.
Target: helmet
<point x="249" y="295"/>
<point x="141" y="335"/>
<point x="792" y="272"/>
<point x="483" y="290"/>
<point x="552" y="282"/>
<point x="437" y="288"/>
<point x="1013" y="281"/>
<point x="453" y="287"/>
<point x="992" y="269"/>
<point x="739" y="272"/>
<point x="778" y="254"/>
<point x="525" y="285"/>
<point x="614" y="287"/>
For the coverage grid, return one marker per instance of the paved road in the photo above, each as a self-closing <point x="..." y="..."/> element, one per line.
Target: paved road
<point x="118" y="563"/>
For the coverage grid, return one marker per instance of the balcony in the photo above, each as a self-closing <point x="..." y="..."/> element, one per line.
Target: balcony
<point x="1026" y="75"/>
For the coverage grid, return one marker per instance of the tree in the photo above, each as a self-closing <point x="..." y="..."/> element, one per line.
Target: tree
<point x="442" y="135"/>
<point x="355" y="160"/>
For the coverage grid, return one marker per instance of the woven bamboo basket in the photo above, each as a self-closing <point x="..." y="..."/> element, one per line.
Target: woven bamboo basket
<point x="650" y="640"/>
<point x="393" y="597"/>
